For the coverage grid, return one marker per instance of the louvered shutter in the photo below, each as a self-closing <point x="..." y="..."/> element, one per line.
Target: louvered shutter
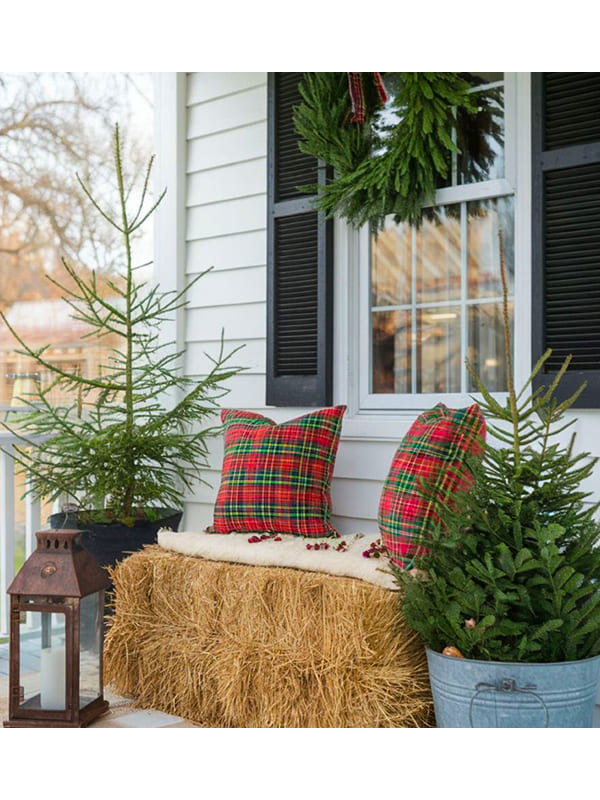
<point x="566" y="228"/>
<point x="299" y="263"/>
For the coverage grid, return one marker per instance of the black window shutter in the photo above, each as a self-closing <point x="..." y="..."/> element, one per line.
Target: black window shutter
<point x="299" y="263"/>
<point x="566" y="228"/>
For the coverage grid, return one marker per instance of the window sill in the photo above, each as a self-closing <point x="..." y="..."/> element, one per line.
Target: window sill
<point x="391" y="423"/>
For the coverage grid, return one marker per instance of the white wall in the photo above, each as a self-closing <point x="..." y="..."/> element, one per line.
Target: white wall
<point x="225" y="207"/>
<point x="221" y="176"/>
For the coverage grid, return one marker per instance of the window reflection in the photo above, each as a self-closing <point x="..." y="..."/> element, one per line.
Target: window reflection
<point x="436" y="292"/>
<point x="392" y="352"/>
<point x="438" y="257"/>
<point x="391" y="261"/>
<point x="438" y="350"/>
<point x="486" y="346"/>
<point x="485" y="220"/>
<point x="419" y="344"/>
<point x="480" y="138"/>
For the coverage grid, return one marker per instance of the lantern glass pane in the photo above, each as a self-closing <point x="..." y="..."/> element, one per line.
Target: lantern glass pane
<point x="90" y="650"/>
<point x="42" y="661"/>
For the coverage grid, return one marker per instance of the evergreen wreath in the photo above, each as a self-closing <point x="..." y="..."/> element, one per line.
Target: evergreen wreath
<point x="384" y="166"/>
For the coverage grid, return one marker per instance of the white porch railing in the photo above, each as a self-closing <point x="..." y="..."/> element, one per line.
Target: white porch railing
<point x="8" y="527"/>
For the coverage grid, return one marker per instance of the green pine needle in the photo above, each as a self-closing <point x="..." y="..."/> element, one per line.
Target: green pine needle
<point x="519" y="552"/>
<point x="114" y="442"/>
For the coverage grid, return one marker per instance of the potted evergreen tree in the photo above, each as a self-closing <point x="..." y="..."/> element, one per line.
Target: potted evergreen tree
<point x="507" y="596"/>
<point x="129" y="441"/>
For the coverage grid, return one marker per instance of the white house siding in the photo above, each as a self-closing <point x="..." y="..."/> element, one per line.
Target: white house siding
<point x="226" y="184"/>
<point x="225" y="191"/>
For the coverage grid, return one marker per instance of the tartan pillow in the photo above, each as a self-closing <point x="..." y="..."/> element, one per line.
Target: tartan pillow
<point x="433" y="451"/>
<point x="277" y="477"/>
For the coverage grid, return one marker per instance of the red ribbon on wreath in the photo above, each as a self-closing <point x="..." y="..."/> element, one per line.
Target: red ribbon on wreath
<point x="356" y="87"/>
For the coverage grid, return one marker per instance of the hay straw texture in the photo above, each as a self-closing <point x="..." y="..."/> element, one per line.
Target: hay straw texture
<point x="232" y="645"/>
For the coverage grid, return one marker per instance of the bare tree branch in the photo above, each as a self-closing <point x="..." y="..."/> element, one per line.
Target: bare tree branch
<point x="53" y="125"/>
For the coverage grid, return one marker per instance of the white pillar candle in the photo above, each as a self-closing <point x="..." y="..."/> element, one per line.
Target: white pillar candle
<point x="52" y="679"/>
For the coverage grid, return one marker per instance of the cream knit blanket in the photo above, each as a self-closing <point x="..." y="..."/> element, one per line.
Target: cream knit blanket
<point x="290" y="551"/>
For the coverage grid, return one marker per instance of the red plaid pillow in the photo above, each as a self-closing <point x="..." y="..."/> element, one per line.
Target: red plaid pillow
<point x="432" y="452"/>
<point x="277" y="477"/>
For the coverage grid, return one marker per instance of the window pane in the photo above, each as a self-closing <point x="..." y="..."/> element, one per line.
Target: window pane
<point x="481" y="78"/>
<point x="486" y="345"/>
<point x="42" y="660"/>
<point x="438" y="350"/>
<point x="485" y="219"/>
<point x="90" y="642"/>
<point x="420" y="336"/>
<point x="391" y="352"/>
<point x="391" y="253"/>
<point x="480" y="138"/>
<point x="438" y="257"/>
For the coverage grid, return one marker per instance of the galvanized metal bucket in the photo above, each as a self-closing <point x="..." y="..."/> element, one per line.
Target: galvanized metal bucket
<point x="500" y="694"/>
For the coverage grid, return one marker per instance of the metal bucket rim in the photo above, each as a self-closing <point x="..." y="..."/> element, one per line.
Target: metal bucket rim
<point x="512" y="663"/>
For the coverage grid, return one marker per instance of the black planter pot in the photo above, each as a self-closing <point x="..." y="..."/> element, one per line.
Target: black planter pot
<point x="111" y="542"/>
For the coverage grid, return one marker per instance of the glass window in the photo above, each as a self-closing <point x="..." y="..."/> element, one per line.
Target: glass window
<point x="42" y="659"/>
<point x="480" y="137"/>
<point x="436" y="291"/>
<point x="437" y="299"/>
<point x="90" y="643"/>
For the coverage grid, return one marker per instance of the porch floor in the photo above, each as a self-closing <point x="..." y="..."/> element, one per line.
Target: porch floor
<point x="123" y="716"/>
<point x="121" y="713"/>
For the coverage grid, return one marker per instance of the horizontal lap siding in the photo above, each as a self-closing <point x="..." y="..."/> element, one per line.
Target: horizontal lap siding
<point x="226" y="229"/>
<point x="230" y="252"/>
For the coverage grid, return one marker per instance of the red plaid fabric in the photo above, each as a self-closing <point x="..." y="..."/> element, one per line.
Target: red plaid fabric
<point x="432" y="452"/>
<point x="357" y="93"/>
<point x="277" y="477"/>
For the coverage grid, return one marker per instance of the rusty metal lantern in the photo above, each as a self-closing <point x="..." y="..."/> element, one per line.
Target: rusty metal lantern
<point x="56" y="635"/>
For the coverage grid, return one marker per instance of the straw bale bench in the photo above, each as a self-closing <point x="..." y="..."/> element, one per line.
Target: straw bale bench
<point x="238" y="645"/>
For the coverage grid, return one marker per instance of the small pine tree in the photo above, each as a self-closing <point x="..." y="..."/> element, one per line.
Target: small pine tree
<point x="512" y="571"/>
<point x="115" y="442"/>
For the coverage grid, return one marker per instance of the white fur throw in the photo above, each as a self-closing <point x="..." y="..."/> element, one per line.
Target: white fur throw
<point x="291" y="551"/>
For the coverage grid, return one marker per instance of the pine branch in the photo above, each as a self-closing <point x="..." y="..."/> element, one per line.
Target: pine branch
<point x="114" y="438"/>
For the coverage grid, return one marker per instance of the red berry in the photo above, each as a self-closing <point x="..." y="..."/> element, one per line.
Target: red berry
<point x="277" y="539"/>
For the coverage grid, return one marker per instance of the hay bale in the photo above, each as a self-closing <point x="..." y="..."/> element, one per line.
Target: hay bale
<point x="231" y="645"/>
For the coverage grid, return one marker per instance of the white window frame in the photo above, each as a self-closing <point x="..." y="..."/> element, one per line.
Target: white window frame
<point x="352" y="281"/>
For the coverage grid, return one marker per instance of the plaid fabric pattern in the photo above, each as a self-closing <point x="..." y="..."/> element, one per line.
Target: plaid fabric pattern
<point x="277" y="477"/>
<point x="357" y="93"/>
<point x="432" y="452"/>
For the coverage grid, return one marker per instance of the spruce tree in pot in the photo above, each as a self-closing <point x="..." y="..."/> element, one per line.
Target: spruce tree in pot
<point x="507" y="596"/>
<point x="115" y="450"/>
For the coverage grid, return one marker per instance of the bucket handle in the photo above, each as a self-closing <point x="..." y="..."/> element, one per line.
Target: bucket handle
<point x="506" y="686"/>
